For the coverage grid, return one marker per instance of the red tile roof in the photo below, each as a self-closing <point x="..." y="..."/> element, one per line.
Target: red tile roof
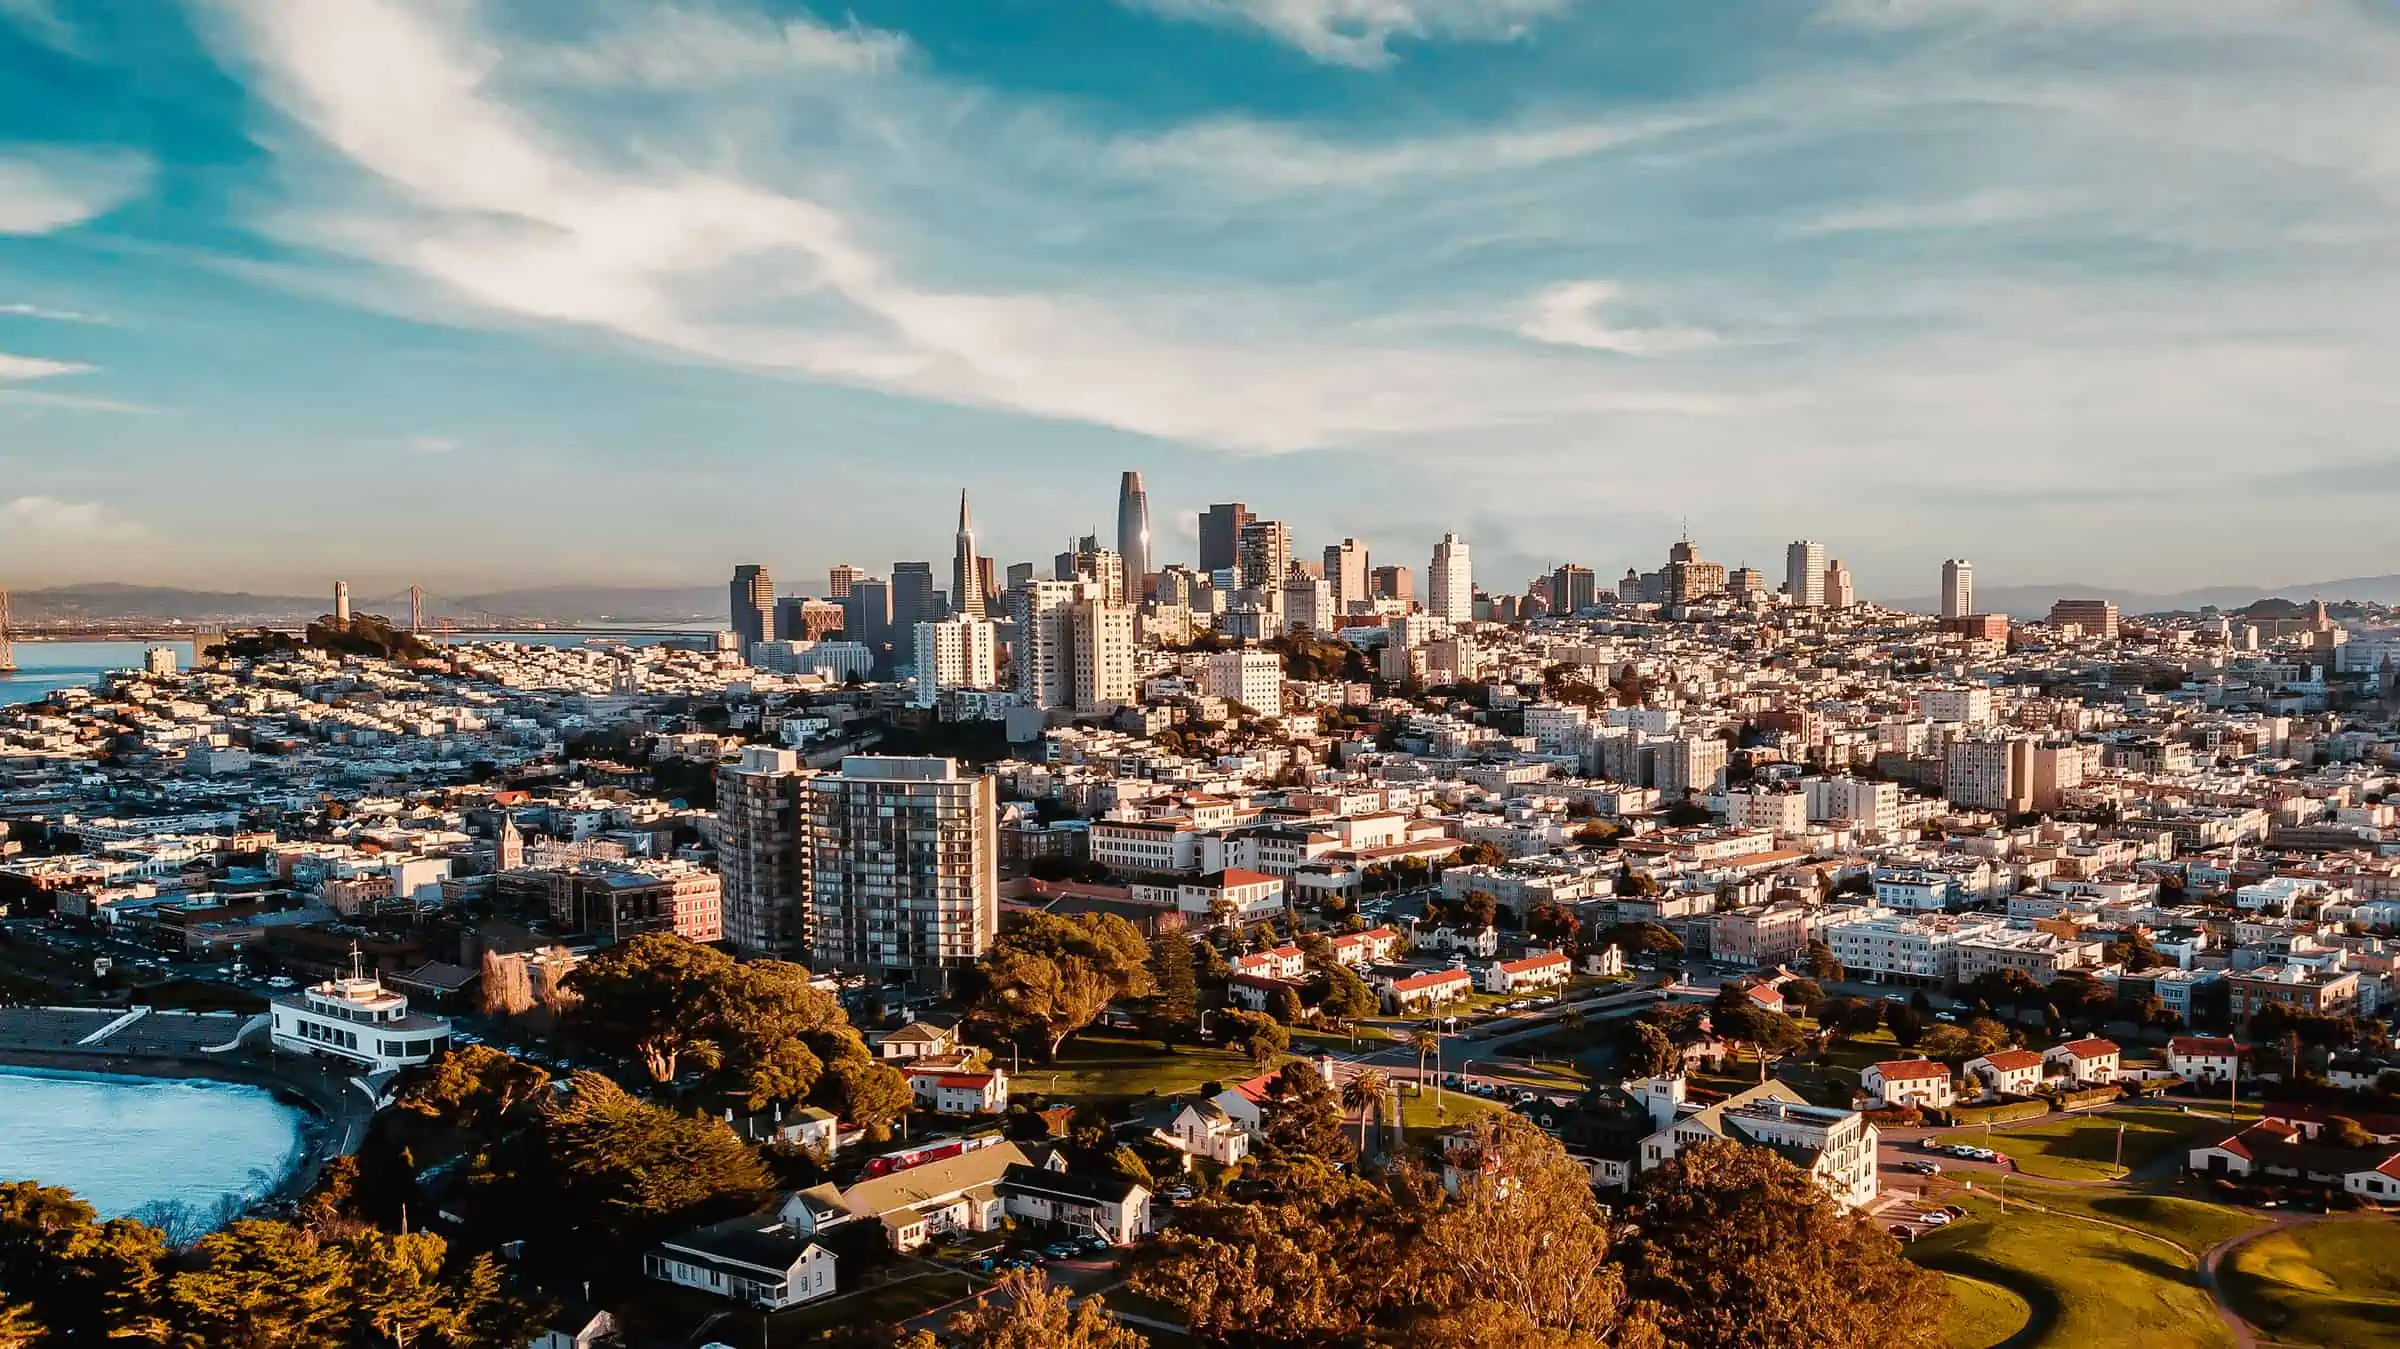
<point x="2203" y="1046"/>
<point x="2014" y="1060"/>
<point x="2090" y="1047"/>
<point x="1911" y="1070"/>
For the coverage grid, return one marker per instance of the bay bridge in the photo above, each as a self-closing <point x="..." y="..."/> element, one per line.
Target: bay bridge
<point x="425" y="610"/>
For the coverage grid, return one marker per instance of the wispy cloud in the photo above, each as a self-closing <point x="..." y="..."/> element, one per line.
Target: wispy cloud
<point x="1360" y="33"/>
<point x="43" y="21"/>
<point x="43" y="189"/>
<point x="35" y="367"/>
<point x="1571" y="315"/>
<point x="19" y="309"/>
<point x="49" y="518"/>
<point x="683" y="47"/>
<point x="431" y="444"/>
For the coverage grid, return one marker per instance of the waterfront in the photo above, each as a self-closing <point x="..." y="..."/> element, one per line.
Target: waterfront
<point x="43" y="668"/>
<point x="129" y="1144"/>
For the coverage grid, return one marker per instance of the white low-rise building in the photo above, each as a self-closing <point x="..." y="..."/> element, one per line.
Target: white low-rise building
<point x="359" y="1021"/>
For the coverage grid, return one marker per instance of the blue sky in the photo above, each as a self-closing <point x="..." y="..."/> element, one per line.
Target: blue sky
<point x="580" y="290"/>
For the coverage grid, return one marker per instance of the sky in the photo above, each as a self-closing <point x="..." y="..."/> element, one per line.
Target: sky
<point x="481" y="295"/>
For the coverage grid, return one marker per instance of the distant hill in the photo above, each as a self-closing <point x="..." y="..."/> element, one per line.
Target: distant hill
<point x="2034" y="601"/>
<point x="694" y="605"/>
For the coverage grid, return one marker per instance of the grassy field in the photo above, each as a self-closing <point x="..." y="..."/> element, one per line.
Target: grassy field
<point x="1096" y="1067"/>
<point x="2192" y="1224"/>
<point x="1981" y="1314"/>
<point x="889" y="1305"/>
<point x="2084" y="1147"/>
<point x="2084" y="1284"/>
<point x="2332" y="1283"/>
<point x="1420" y="1112"/>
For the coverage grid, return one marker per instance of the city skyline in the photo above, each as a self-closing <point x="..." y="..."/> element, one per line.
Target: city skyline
<point x="1955" y="278"/>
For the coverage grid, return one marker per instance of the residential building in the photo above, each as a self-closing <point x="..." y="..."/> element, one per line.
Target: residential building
<point x="756" y="1260"/>
<point x="2097" y="618"/>
<point x="1407" y="991"/>
<point x="1841" y="589"/>
<point x="1263" y="555"/>
<point x="2304" y="988"/>
<point x="2204" y="1058"/>
<point x="1836" y="1147"/>
<point x="948" y="1091"/>
<point x="2009" y="1072"/>
<point x="1921" y="1084"/>
<point x="1397" y="584"/>
<point x="1450" y="581"/>
<point x="1804" y="573"/>
<point x="903" y="865"/>
<point x="1347" y="570"/>
<point x="1107" y="1205"/>
<point x="1958" y="588"/>
<point x="1573" y="589"/>
<point x="1203" y="1129"/>
<point x="762" y="860"/>
<point x="1547" y="969"/>
<point x="1106" y="667"/>
<point x="956" y="653"/>
<point x="1252" y="678"/>
<point x="957" y="1193"/>
<point x="2088" y="1062"/>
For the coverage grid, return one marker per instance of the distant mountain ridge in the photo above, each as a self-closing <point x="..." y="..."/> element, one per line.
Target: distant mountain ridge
<point x="2033" y="601"/>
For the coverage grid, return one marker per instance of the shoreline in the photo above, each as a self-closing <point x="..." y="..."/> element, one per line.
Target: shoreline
<point x="334" y="1114"/>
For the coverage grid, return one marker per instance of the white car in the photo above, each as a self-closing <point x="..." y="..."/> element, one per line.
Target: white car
<point x="1935" y="1218"/>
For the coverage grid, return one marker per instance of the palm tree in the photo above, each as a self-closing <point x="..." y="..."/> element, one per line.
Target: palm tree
<point x="1428" y="1041"/>
<point x="1574" y="1020"/>
<point x="1366" y="1092"/>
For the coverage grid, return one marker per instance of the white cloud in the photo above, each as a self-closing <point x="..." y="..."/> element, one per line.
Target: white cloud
<point x="44" y="189"/>
<point x="680" y="47"/>
<point x="1975" y="210"/>
<point x="1569" y="315"/>
<point x="42" y="20"/>
<point x="431" y="444"/>
<point x="35" y="367"/>
<point x="50" y="519"/>
<point x="1360" y="33"/>
<point x="19" y="309"/>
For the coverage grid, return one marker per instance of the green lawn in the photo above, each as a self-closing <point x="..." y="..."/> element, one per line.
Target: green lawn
<point x="1981" y="1314"/>
<point x="2084" y="1147"/>
<point x="1419" y="1111"/>
<point x="2332" y="1283"/>
<point x="888" y="1305"/>
<point x="1094" y="1067"/>
<point x="2084" y="1284"/>
<point x="2192" y="1224"/>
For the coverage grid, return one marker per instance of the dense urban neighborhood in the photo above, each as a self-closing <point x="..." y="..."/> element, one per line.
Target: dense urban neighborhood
<point x="1258" y="952"/>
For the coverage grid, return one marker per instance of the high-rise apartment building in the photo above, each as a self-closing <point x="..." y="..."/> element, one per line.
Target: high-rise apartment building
<point x="839" y="579"/>
<point x="1394" y="583"/>
<point x="1745" y="583"/>
<point x="1106" y="659"/>
<point x="2097" y="618"/>
<point x="1958" y="588"/>
<point x="903" y="866"/>
<point x="1450" y="581"/>
<point x="1804" y="573"/>
<point x="1573" y="588"/>
<point x="1133" y="534"/>
<point x="1045" y="649"/>
<point x="1307" y="603"/>
<point x="1252" y="678"/>
<point x="1841" y="592"/>
<point x="1346" y="570"/>
<point x="1089" y="562"/>
<point x="753" y="607"/>
<point x="967" y="571"/>
<point x="1221" y="535"/>
<point x="760" y="854"/>
<point x="959" y="652"/>
<point x="1262" y="554"/>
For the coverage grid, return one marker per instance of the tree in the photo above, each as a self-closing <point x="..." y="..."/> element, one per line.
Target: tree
<point x="1176" y="1006"/>
<point x="260" y="1285"/>
<point x="1820" y="963"/>
<point x="1522" y="1242"/>
<point x="1428" y="1043"/>
<point x="1640" y="938"/>
<point x="1054" y="975"/>
<point x="657" y="1000"/>
<point x="1802" y="993"/>
<point x="471" y="1087"/>
<point x="1346" y="996"/>
<point x="1024" y="1311"/>
<point x="868" y="1094"/>
<point x="86" y="1282"/>
<point x="1256" y="1034"/>
<point x="1906" y="1026"/>
<point x="1303" y="1114"/>
<point x="1947" y="1042"/>
<point x="1650" y="1052"/>
<point x="1308" y="1261"/>
<point x="1633" y="884"/>
<point x="1986" y="1036"/>
<point x="507" y="987"/>
<point x="1284" y="1006"/>
<point x="2344" y="1132"/>
<point x="1552" y="924"/>
<point x="1368" y="1092"/>
<point x="629" y="1166"/>
<point x="1739" y="1249"/>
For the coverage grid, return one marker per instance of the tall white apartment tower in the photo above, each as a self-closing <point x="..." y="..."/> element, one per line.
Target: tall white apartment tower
<point x="1450" y="581"/>
<point x="1958" y="588"/>
<point x="1347" y="570"/>
<point x="903" y="865"/>
<point x="956" y="653"/>
<point x="1804" y="573"/>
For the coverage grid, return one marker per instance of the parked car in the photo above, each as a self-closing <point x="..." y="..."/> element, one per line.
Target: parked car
<point x="1177" y="1194"/>
<point x="1954" y="1211"/>
<point x="1937" y="1218"/>
<point x="1926" y="1168"/>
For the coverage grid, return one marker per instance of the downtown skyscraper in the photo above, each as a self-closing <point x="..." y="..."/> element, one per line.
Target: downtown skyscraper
<point x="966" y="569"/>
<point x="753" y="606"/>
<point x="1804" y="573"/>
<point x="1133" y="534"/>
<point x="1221" y="534"/>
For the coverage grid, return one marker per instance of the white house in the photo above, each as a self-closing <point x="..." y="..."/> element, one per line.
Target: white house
<point x="1112" y="1207"/>
<point x="2011" y="1072"/>
<point x="1404" y="993"/>
<point x="2090" y="1061"/>
<point x="946" y="1092"/>
<point x="757" y="1260"/>
<point x="1607" y="962"/>
<point x="1920" y="1083"/>
<point x="358" y="1021"/>
<point x="1276" y="962"/>
<point x="1361" y="949"/>
<point x="1484" y="942"/>
<point x="1546" y="970"/>
<point x="916" y="1040"/>
<point x="1836" y="1147"/>
<point x="1203" y="1129"/>
<point x="2204" y="1058"/>
<point x="916" y="1204"/>
<point x="578" y="1327"/>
